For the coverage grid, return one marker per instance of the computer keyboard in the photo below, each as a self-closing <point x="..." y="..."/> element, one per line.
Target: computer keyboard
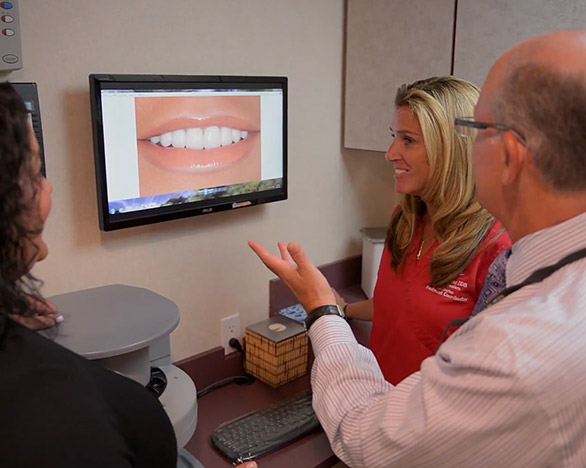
<point x="255" y="434"/>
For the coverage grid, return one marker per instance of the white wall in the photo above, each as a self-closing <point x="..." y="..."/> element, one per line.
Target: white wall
<point x="203" y="263"/>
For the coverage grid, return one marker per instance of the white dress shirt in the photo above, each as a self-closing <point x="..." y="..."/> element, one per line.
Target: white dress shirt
<point x="506" y="390"/>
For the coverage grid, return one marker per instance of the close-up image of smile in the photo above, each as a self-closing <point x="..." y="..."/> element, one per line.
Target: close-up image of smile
<point x="200" y="148"/>
<point x="187" y="143"/>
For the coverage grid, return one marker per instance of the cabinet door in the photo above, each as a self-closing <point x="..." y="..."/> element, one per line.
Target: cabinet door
<point x="388" y="43"/>
<point x="486" y="29"/>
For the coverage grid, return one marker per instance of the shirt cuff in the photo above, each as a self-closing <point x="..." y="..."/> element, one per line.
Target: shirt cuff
<point x="329" y="330"/>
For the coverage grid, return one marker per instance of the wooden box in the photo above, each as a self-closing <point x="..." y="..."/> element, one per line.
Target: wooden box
<point x="276" y="350"/>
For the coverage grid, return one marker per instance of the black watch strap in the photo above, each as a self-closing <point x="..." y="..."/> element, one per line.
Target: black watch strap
<point x="320" y="312"/>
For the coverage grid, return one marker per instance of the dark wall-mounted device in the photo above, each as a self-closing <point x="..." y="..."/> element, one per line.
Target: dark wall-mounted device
<point x="29" y="94"/>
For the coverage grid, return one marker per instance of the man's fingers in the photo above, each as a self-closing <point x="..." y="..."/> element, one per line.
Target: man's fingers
<point x="298" y="255"/>
<point x="261" y="252"/>
<point x="285" y="253"/>
<point x="257" y="248"/>
<point x="277" y="265"/>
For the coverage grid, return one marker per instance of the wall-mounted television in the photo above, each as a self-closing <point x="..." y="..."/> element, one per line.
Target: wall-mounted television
<point x="173" y="146"/>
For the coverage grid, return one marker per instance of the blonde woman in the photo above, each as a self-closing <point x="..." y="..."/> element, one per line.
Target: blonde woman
<point x="440" y="241"/>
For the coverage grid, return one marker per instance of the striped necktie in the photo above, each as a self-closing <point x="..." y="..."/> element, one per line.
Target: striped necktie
<point x="495" y="282"/>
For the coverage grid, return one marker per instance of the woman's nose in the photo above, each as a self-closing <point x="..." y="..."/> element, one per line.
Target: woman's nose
<point x="391" y="153"/>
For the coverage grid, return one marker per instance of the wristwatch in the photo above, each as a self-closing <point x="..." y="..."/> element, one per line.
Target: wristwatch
<point x="320" y="312"/>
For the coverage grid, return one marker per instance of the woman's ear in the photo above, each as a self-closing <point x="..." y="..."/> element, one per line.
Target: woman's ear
<point x="515" y="158"/>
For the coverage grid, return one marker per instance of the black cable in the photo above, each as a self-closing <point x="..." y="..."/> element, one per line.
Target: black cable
<point x="237" y="379"/>
<point x="234" y="343"/>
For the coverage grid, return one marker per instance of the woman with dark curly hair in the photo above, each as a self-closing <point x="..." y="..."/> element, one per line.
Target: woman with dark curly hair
<point x="21" y="244"/>
<point x="56" y="408"/>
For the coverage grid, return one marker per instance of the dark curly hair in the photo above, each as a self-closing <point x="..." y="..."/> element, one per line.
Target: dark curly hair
<point x="17" y="183"/>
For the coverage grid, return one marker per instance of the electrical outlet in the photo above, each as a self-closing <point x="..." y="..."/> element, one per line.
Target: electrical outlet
<point x="230" y="329"/>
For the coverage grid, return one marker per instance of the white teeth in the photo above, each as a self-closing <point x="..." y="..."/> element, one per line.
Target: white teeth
<point x="200" y="138"/>
<point x="225" y="136"/>
<point x="211" y="138"/>
<point x="166" y="139"/>
<point x="178" y="139"/>
<point x="400" y="171"/>
<point x="194" y="138"/>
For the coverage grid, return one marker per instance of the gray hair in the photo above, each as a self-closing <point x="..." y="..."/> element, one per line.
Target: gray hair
<point x="549" y="108"/>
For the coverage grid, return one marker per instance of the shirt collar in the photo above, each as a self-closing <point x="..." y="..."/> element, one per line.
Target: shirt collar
<point x="545" y="247"/>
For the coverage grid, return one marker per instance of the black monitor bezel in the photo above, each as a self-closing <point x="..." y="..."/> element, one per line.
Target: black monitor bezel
<point x="98" y="82"/>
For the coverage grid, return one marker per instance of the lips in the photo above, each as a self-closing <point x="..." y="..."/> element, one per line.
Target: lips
<point x="195" y="145"/>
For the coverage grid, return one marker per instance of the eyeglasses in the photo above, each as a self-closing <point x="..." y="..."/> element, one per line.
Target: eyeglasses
<point x="468" y="127"/>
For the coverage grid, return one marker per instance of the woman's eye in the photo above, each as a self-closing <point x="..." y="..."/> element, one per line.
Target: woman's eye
<point x="408" y="140"/>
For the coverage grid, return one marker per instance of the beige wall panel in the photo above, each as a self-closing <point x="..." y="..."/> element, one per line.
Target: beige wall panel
<point x="390" y="42"/>
<point x="486" y="29"/>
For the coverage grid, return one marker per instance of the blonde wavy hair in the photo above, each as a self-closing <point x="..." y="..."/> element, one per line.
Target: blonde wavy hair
<point x="459" y="222"/>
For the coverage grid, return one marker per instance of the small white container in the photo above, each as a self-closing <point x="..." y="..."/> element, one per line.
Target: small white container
<point x="373" y="244"/>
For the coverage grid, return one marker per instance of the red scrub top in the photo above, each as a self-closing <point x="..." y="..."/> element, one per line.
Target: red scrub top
<point x="410" y="316"/>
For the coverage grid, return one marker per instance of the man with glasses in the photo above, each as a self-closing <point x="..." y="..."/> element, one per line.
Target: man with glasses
<point x="508" y="389"/>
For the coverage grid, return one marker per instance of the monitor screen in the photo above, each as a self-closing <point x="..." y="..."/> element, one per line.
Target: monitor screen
<point x="172" y="146"/>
